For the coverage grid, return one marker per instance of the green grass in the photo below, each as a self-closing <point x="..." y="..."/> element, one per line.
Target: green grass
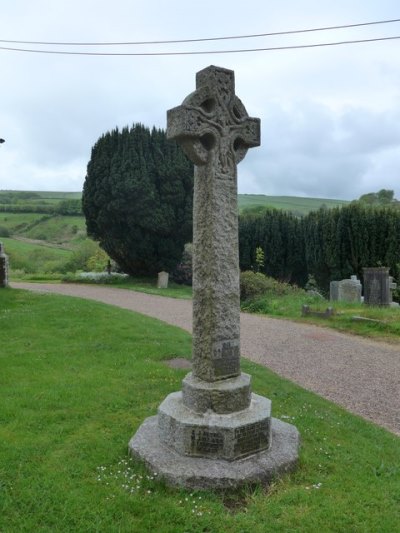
<point x="77" y="380"/>
<point x="140" y="283"/>
<point x="17" y="222"/>
<point x="58" y="229"/>
<point x="385" y="324"/>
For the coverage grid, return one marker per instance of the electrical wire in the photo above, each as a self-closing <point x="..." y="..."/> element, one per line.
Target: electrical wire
<point x="251" y="36"/>
<point x="200" y="52"/>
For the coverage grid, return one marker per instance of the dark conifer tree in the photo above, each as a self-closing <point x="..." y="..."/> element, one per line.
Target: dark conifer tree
<point x="137" y="199"/>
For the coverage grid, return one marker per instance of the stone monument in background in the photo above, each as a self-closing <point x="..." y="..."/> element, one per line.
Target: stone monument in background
<point x="346" y="290"/>
<point x="215" y="433"/>
<point x="378" y="286"/>
<point x="3" y="267"/>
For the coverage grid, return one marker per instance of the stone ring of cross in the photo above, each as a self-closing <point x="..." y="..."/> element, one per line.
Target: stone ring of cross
<point x="212" y="120"/>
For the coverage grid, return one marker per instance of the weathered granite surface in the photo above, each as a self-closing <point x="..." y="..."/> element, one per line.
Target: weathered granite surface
<point x="215" y="421"/>
<point x="214" y="129"/>
<point x="202" y="473"/>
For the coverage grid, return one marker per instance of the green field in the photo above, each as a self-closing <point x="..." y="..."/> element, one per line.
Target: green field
<point x="295" y="204"/>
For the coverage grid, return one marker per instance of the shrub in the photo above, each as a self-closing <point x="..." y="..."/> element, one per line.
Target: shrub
<point x="256" y="284"/>
<point x="253" y="284"/>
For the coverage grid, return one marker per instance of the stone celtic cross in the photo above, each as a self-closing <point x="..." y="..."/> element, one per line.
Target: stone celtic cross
<point x="201" y="433"/>
<point x="215" y="131"/>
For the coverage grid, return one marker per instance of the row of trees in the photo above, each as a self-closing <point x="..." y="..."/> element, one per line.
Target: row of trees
<point x="137" y="200"/>
<point x="328" y="244"/>
<point x="65" y="207"/>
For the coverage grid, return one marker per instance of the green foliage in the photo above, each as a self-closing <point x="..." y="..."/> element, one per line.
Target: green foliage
<point x="85" y="256"/>
<point x="137" y="199"/>
<point x="280" y="237"/>
<point x="98" y="261"/>
<point x="332" y="244"/>
<point x="384" y="197"/>
<point x="69" y="207"/>
<point x="255" y="284"/>
<point x="260" y="258"/>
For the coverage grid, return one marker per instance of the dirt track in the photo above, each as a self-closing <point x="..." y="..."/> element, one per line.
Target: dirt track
<point x="359" y="374"/>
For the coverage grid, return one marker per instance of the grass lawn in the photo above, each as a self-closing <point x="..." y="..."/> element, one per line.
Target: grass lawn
<point x="149" y="286"/>
<point x="383" y="322"/>
<point x="77" y="379"/>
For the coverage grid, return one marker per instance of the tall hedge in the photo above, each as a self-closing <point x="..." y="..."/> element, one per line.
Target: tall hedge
<point x="329" y="244"/>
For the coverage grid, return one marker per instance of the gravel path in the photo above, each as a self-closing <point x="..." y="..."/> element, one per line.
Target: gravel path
<point x="359" y="374"/>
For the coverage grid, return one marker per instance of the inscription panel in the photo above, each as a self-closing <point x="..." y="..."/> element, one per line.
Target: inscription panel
<point x="205" y="442"/>
<point x="226" y="359"/>
<point x="251" y="438"/>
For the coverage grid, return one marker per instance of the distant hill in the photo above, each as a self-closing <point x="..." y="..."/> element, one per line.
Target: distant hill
<point x="296" y="204"/>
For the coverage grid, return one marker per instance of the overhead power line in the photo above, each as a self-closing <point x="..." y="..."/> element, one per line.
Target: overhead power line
<point x="231" y="37"/>
<point x="199" y="52"/>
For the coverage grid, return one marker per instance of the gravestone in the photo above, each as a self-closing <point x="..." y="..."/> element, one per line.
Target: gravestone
<point x="215" y="433"/>
<point x="377" y="286"/>
<point x="162" y="282"/>
<point x="334" y="291"/>
<point x="350" y="290"/>
<point x="3" y="267"/>
<point x="346" y="290"/>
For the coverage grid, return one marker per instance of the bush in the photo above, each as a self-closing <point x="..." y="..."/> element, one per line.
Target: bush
<point x="256" y="284"/>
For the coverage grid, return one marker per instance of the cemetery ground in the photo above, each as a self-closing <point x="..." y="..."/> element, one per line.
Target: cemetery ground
<point x="78" y="378"/>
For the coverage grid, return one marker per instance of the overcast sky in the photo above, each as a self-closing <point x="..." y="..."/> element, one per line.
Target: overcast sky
<point x="330" y="116"/>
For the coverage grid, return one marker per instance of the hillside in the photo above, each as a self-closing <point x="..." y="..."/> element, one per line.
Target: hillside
<point x="47" y="199"/>
<point x="296" y="204"/>
<point x="43" y="231"/>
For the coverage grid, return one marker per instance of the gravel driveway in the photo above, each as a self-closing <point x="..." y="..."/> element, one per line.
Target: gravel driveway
<point x="359" y="374"/>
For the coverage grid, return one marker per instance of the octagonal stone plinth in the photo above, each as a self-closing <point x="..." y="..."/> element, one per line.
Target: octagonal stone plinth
<point x="199" y="473"/>
<point x="226" y="396"/>
<point x="221" y="436"/>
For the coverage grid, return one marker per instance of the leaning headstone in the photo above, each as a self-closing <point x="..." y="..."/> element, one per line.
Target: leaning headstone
<point x="162" y="282"/>
<point x="3" y="267"/>
<point x="349" y="290"/>
<point x="377" y="286"/>
<point x="215" y="433"/>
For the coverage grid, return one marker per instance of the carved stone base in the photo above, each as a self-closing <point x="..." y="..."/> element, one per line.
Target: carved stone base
<point x="220" y="436"/>
<point x="202" y="473"/>
<point x="222" y="397"/>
